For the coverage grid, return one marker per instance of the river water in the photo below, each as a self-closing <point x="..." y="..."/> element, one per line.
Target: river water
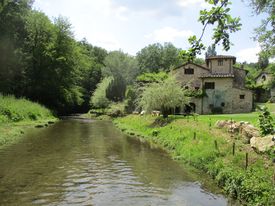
<point x="84" y="162"/>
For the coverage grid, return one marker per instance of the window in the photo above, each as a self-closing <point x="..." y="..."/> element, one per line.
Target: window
<point x="189" y="71"/>
<point x="242" y="96"/>
<point x="220" y="62"/>
<point x="209" y="85"/>
<point x="222" y="104"/>
<point x="263" y="78"/>
<point x="197" y="88"/>
<point x="186" y="87"/>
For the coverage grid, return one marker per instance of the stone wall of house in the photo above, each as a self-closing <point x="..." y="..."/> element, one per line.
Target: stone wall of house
<point x="217" y="97"/>
<point x="226" y="97"/>
<point x="225" y="68"/>
<point x="229" y="93"/>
<point x="192" y="80"/>
<point x="239" y="78"/>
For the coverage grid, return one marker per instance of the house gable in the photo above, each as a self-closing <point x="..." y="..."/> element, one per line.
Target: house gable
<point x="189" y="74"/>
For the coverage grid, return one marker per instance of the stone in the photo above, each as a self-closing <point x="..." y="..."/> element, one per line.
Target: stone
<point x="249" y="131"/>
<point x="221" y="123"/>
<point x="262" y="144"/>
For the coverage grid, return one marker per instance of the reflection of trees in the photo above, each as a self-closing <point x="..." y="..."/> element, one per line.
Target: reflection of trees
<point x="73" y="160"/>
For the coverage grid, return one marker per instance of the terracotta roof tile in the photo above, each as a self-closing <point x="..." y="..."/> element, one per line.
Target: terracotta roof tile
<point x="217" y="75"/>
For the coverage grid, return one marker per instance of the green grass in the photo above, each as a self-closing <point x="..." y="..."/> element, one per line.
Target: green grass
<point x="252" y="186"/>
<point x="16" y="110"/>
<point x="270" y="106"/>
<point x="16" y="115"/>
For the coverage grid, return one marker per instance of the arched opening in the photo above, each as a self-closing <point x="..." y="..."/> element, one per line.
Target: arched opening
<point x="263" y="78"/>
<point x="190" y="108"/>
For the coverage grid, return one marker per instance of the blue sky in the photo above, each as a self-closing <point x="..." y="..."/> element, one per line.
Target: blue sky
<point x="130" y="25"/>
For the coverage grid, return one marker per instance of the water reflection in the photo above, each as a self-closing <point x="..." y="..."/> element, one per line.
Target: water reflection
<point x="78" y="162"/>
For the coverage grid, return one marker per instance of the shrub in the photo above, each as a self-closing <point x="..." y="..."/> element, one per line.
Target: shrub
<point x="265" y="121"/>
<point x="116" y="110"/>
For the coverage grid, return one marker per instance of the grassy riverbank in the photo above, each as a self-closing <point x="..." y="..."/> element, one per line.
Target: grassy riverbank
<point x="16" y="115"/>
<point x="211" y="151"/>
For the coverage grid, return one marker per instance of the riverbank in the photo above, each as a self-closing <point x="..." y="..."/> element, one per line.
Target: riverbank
<point x="197" y="142"/>
<point x="17" y="115"/>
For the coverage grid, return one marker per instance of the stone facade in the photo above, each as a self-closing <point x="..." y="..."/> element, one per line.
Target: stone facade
<point x="263" y="79"/>
<point x="223" y="86"/>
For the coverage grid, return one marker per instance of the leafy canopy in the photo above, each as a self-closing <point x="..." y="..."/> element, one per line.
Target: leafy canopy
<point x="224" y="23"/>
<point x="163" y="96"/>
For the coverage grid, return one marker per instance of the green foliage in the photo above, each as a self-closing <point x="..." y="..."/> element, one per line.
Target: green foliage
<point x="152" y="77"/>
<point x="99" y="99"/>
<point x="156" y="57"/>
<point x="192" y="92"/>
<point x="42" y="61"/>
<point x="224" y="24"/>
<point x="116" y="110"/>
<point x="16" y="110"/>
<point x="124" y="69"/>
<point x="265" y="121"/>
<point x="163" y="96"/>
<point x="130" y="99"/>
<point x="265" y="32"/>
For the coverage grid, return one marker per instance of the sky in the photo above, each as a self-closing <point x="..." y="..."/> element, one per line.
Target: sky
<point x="130" y="25"/>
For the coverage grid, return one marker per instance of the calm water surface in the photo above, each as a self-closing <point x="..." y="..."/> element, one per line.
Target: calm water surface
<point x="81" y="162"/>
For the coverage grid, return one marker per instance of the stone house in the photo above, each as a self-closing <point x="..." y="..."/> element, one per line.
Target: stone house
<point x="265" y="78"/>
<point x="222" y="86"/>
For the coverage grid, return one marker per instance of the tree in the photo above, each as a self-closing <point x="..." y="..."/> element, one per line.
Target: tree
<point x="99" y="98"/>
<point x="124" y="69"/>
<point x="224" y="24"/>
<point x="157" y="57"/>
<point x="263" y="60"/>
<point x="92" y="75"/>
<point x="163" y="96"/>
<point x="265" y="33"/>
<point x="12" y="36"/>
<point x="211" y="51"/>
<point x="149" y="58"/>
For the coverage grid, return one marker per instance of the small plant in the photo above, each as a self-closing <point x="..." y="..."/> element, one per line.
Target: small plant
<point x="265" y="121"/>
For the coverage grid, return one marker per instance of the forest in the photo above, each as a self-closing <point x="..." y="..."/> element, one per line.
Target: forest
<point x="42" y="61"/>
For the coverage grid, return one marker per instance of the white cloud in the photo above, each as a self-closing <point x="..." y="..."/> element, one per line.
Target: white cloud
<point x="169" y="34"/>
<point x="248" y="54"/>
<point x="105" y="40"/>
<point x="187" y="3"/>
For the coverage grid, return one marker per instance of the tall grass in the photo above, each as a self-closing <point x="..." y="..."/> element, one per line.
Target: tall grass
<point x="253" y="186"/>
<point x="16" y="110"/>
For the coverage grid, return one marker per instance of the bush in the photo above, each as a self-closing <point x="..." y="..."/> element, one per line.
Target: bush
<point x="116" y="110"/>
<point x="265" y="121"/>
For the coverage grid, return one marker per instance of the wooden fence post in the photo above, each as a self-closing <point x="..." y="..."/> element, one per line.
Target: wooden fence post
<point x="246" y="160"/>
<point x="233" y="148"/>
<point x="216" y="144"/>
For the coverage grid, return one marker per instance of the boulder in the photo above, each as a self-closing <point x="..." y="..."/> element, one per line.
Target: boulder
<point x="249" y="131"/>
<point x="221" y="123"/>
<point x="262" y="144"/>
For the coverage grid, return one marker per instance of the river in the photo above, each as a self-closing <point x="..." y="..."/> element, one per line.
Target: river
<point x="86" y="162"/>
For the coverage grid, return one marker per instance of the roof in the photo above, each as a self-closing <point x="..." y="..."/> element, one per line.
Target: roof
<point x="217" y="75"/>
<point x="220" y="57"/>
<point x="193" y="64"/>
